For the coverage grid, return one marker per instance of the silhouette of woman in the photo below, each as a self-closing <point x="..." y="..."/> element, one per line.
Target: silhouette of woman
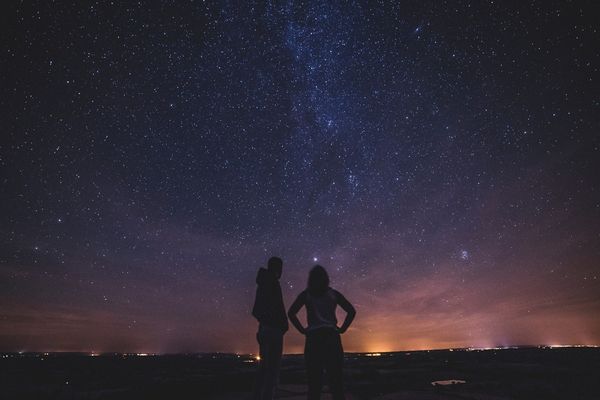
<point x="323" y="349"/>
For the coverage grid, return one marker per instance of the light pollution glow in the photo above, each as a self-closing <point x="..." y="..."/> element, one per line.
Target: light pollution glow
<point x="414" y="318"/>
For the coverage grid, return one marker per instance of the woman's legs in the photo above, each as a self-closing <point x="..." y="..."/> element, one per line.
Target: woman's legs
<point x="323" y="351"/>
<point x="314" y="358"/>
<point x="334" y="365"/>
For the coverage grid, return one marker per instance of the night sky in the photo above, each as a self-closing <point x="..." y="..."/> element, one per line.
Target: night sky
<point x="439" y="158"/>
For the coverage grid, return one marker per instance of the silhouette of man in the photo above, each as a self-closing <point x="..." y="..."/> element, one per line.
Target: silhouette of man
<point x="270" y="312"/>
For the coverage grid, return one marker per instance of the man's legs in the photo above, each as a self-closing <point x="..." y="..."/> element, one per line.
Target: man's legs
<point x="271" y="347"/>
<point x="272" y="362"/>
<point x="260" y="373"/>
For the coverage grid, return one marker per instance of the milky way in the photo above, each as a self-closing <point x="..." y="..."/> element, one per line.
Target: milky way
<point x="438" y="158"/>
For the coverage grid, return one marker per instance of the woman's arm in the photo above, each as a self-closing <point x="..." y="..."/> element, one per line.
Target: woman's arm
<point x="350" y="312"/>
<point x="293" y="311"/>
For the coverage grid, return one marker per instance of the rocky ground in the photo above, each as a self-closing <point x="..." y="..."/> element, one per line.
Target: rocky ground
<point x="527" y="373"/>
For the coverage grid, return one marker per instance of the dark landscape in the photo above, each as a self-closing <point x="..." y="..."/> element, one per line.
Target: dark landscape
<point x="515" y="373"/>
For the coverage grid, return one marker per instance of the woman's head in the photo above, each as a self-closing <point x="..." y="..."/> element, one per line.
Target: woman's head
<point x="318" y="280"/>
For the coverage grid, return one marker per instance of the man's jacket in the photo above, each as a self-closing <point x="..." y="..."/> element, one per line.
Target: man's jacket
<point x="268" y="306"/>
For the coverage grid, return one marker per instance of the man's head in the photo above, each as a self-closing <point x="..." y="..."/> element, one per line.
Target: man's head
<point x="275" y="265"/>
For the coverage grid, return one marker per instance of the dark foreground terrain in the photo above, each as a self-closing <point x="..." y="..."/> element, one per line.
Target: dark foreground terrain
<point x="524" y="373"/>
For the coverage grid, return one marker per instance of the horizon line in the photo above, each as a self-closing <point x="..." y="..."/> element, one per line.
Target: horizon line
<point x="367" y="353"/>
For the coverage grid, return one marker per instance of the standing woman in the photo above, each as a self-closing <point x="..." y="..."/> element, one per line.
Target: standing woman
<point x="323" y="349"/>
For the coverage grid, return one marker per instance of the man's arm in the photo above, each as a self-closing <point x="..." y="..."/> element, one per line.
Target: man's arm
<point x="259" y="311"/>
<point x="350" y="312"/>
<point x="279" y="311"/>
<point x="293" y="311"/>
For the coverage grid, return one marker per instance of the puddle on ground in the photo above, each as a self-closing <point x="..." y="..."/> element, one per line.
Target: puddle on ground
<point x="448" y="382"/>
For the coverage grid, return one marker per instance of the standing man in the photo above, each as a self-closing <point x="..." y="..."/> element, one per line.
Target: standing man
<point x="270" y="312"/>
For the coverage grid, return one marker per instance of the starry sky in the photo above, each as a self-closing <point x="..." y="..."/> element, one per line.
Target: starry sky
<point x="439" y="158"/>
